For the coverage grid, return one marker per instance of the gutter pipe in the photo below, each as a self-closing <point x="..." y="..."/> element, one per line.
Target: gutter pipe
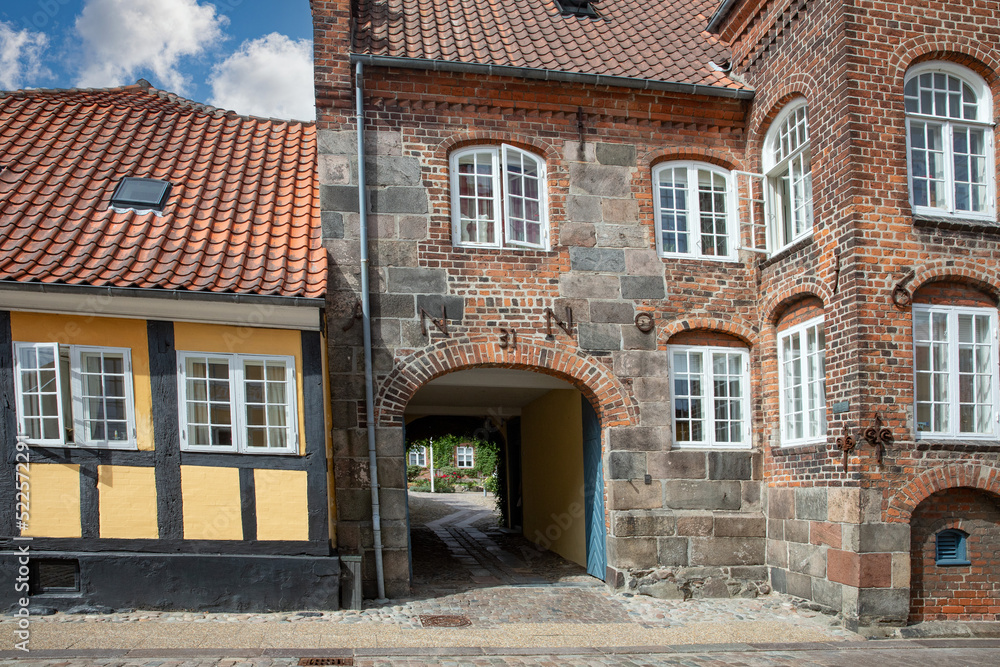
<point x="552" y="75"/>
<point x="366" y="328"/>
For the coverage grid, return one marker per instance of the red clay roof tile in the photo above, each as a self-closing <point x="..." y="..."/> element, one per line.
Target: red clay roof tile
<point x="242" y="188"/>
<point x="663" y="40"/>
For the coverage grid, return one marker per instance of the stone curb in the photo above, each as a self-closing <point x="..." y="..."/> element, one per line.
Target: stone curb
<point x="500" y="651"/>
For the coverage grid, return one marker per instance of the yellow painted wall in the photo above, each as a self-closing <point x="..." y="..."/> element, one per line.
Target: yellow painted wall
<point x="552" y="473"/>
<point x="104" y="331"/>
<point x="54" y="500"/>
<point x="282" y="504"/>
<point x="127" y="502"/>
<point x="211" y="498"/>
<point x="190" y="337"/>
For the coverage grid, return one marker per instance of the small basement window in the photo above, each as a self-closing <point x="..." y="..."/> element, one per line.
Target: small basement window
<point x="50" y="575"/>
<point x="950" y="548"/>
<point x="141" y="194"/>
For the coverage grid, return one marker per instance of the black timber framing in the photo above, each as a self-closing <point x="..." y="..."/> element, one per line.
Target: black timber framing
<point x="147" y="459"/>
<point x="248" y="503"/>
<point x="90" y="510"/>
<point x="315" y="435"/>
<point x="110" y="545"/>
<point x="8" y="430"/>
<point x="166" y="429"/>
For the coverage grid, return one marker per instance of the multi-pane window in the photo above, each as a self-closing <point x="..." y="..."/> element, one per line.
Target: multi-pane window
<point x="802" y="383"/>
<point x="463" y="457"/>
<point x="75" y="395"/>
<point x="789" y="179"/>
<point x="955" y="364"/>
<point x="237" y="403"/>
<point x="692" y="204"/>
<point x="950" y="142"/>
<point x="498" y="198"/>
<point x="418" y="457"/>
<point x="710" y="396"/>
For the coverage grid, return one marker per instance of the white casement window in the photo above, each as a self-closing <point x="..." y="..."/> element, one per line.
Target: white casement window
<point x="711" y="396"/>
<point x="789" y="178"/>
<point x="498" y="198"/>
<point x="237" y="403"/>
<point x="74" y="395"/>
<point x="418" y="457"/>
<point x="694" y="211"/>
<point x="802" y="383"/>
<point x="463" y="457"/>
<point x="955" y="368"/>
<point x="949" y="142"/>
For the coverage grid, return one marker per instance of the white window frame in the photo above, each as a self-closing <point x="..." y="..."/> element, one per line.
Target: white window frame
<point x="774" y="169"/>
<point x="708" y="398"/>
<point x="459" y="454"/>
<point x="693" y="211"/>
<point x="953" y="373"/>
<point x="501" y="223"/>
<point x="800" y="331"/>
<point x="983" y="121"/>
<point x="418" y="454"/>
<point x="237" y="404"/>
<point x="75" y="412"/>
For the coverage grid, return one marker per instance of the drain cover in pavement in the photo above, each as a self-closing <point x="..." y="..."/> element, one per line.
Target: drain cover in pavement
<point x="444" y="621"/>
<point x="304" y="662"/>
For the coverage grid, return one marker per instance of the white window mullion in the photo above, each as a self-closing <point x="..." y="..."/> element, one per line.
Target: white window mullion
<point x="694" y="214"/>
<point x="38" y="415"/>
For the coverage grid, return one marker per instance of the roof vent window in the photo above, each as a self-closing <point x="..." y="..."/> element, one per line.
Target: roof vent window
<point x="141" y="194"/>
<point x="577" y="8"/>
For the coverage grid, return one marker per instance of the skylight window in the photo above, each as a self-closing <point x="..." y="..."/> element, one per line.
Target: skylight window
<point x="577" y="8"/>
<point x="141" y="194"/>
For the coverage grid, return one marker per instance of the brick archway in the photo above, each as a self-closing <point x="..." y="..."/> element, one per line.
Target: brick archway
<point x="614" y="405"/>
<point x="972" y="475"/>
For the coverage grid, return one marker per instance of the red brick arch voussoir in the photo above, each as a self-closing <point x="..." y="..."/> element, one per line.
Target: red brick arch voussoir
<point x="966" y="271"/>
<point x="972" y="475"/>
<point x="614" y="405"/>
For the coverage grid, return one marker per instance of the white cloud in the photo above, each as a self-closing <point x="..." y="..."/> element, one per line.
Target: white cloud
<point x="271" y="76"/>
<point x="122" y="37"/>
<point x="21" y="56"/>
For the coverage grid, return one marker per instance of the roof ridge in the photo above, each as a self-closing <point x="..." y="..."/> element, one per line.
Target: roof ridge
<point x="142" y="86"/>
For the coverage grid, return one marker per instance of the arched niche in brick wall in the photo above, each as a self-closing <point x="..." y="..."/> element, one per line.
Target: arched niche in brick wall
<point x="966" y="588"/>
<point x="972" y="475"/>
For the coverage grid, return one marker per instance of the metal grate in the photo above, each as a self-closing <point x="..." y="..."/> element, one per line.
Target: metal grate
<point x="304" y="662"/>
<point x="444" y="621"/>
<point x="56" y="576"/>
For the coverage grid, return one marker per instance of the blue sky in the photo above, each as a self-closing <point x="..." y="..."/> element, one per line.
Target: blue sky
<point x="252" y="56"/>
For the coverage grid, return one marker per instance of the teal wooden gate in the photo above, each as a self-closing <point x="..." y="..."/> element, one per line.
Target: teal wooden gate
<point x="593" y="493"/>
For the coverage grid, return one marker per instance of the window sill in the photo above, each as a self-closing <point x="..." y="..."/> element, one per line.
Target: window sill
<point x="956" y="224"/>
<point x="798" y="448"/>
<point x="786" y="252"/>
<point x="132" y="447"/>
<point x="494" y="249"/>
<point x="699" y="258"/>
<point x="956" y="445"/>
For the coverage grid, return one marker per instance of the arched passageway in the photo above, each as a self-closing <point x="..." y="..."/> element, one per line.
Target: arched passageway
<point x="549" y="485"/>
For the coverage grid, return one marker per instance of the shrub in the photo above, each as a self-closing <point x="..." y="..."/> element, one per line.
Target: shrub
<point x="412" y="472"/>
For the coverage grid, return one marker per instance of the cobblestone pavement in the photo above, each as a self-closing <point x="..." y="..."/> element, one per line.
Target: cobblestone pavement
<point x="509" y="593"/>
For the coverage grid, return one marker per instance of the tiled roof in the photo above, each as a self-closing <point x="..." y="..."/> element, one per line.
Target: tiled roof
<point x="662" y="40"/>
<point x="242" y="217"/>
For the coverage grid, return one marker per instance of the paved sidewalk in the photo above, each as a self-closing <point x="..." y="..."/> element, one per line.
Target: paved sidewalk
<point x="895" y="653"/>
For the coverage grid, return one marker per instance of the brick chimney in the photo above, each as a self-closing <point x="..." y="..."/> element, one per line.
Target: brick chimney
<point x="332" y="28"/>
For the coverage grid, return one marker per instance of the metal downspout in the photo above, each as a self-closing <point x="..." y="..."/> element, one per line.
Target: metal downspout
<point x="366" y="328"/>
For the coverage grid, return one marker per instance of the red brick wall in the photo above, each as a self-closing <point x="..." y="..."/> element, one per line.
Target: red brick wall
<point x="953" y="592"/>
